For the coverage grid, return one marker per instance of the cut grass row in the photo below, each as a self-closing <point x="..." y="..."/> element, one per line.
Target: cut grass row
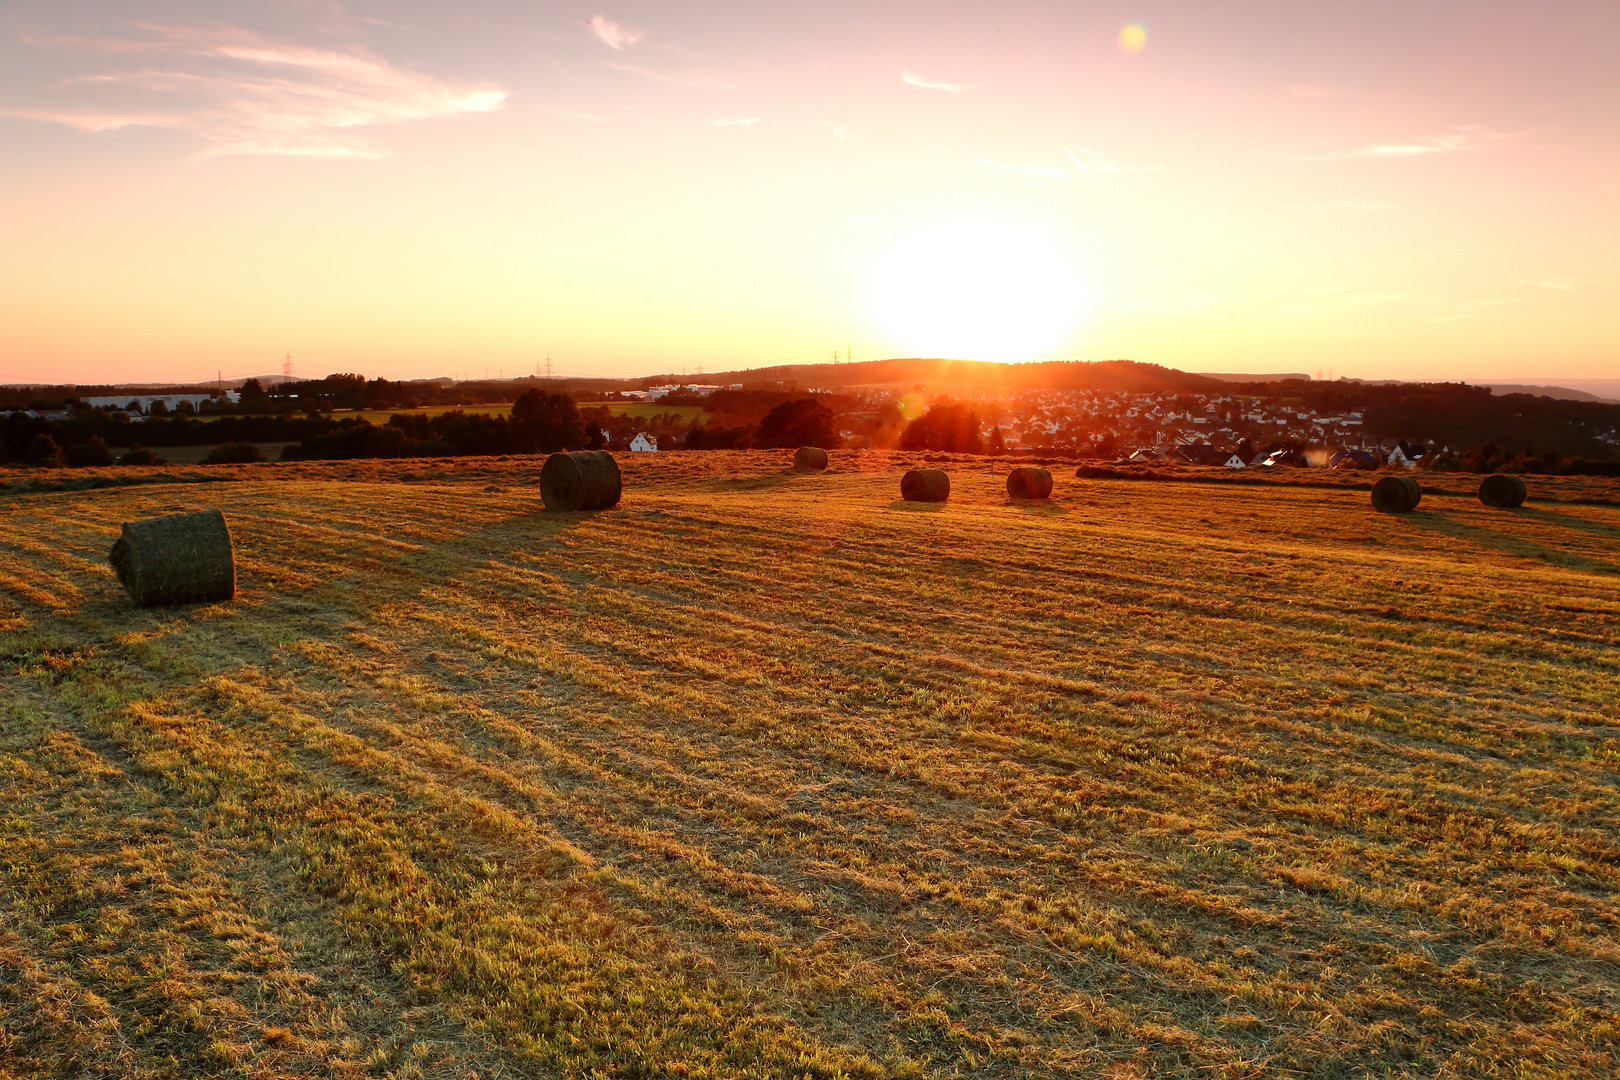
<point x="773" y="775"/>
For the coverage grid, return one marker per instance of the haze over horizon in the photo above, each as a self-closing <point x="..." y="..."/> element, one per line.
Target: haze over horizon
<point x="1371" y="189"/>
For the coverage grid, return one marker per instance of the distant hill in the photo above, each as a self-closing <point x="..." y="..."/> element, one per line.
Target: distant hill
<point x="1559" y="393"/>
<point x="1230" y="377"/>
<point x="1125" y="375"/>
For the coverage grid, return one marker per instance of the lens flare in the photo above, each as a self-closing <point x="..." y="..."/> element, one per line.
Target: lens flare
<point x="980" y="290"/>
<point x="1132" y="38"/>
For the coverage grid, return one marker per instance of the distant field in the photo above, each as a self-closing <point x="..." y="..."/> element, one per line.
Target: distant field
<point x="648" y="409"/>
<point x="380" y="416"/>
<point x="764" y="774"/>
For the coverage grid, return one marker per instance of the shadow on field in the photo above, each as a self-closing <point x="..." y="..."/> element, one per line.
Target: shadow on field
<point x="917" y="507"/>
<point x="1037" y="506"/>
<point x="1567" y="521"/>
<point x="755" y="483"/>
<point x="1437" y="521"/>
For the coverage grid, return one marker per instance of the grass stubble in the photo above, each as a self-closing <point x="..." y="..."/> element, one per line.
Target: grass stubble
<point x="764" y="774"/>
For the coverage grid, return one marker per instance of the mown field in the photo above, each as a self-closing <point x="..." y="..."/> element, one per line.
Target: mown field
<point x="764" y="774"/>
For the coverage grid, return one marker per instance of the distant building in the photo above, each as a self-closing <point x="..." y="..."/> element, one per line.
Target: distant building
<point x="641" y="442"/>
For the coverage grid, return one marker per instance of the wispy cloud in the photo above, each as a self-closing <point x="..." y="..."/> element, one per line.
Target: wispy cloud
<point x="1473" y="309"/>
<point x="1469" y="137"/>
<point x="241" y="93"/>
<point x="678" y="80"/>
<point x="741" y="121"/>
<point x="1348" y="206"/>
<point x="1027" y="170"/>
<point x="1091" y="161"/>
<point x="914" y="79"/>
<point x="612" y="34"/>
<point x="838" y="131"/>
<point x="1336" y="300"/>
<point x="1184" y="304"/>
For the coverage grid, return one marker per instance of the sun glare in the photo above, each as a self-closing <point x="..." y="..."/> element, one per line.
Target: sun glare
<point x="980" y="290"/>
<point x="1132" y="38"/>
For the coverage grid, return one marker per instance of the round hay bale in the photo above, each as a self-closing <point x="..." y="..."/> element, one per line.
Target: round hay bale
<point x="1027" y="482"/>
<point x="1396" y="494"/>
<point x="1502" y="492"/>
<point x="925" y="485"/>
<point x="176" y="559"/>
<point x="809" y="457"/>
<point x="583" y="480"/>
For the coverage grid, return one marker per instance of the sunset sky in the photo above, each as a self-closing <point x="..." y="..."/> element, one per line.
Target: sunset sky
<point x="1375" y="189"/>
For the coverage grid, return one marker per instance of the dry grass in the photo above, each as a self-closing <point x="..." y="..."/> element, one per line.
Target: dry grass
<point x="770" y="774"/>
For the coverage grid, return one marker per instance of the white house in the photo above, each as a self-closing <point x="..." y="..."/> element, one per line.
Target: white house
<point x="641" y="442"/>
<point x="1234" y="462"/>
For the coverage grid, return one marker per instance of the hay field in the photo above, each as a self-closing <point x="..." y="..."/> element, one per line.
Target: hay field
<point x="763" y="774"/>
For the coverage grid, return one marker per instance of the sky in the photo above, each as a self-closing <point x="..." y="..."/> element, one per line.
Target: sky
<point x="1424" y="189"/>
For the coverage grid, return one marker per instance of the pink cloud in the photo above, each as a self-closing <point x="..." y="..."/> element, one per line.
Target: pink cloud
<point x="612" y="34"/>
<point x="911" y="78"/>
<point x="243" y="94"/>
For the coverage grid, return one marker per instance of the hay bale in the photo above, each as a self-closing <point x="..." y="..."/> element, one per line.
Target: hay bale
<point x="583" y="480"/>
<point x="1502" y="492"/>
<point x="176" y="559"/>
<point x="925" y="485"/>
<point x="1396" y="494"/>
<point x="809" y="457"/>
<point x="1027" y="482"/>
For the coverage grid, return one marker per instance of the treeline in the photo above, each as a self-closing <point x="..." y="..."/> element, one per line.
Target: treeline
<point x="29" y="440"/>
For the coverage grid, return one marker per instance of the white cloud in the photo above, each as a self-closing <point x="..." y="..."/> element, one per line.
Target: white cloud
<point x="913" y="79"/>
<point x="1028" y="170"/>
<point x="838" y="132"/>
<point x="612" y="34"/>
<point x="1468" y="137"/>
<point x="244" y="94"/>
<point x="1090" y="161"/>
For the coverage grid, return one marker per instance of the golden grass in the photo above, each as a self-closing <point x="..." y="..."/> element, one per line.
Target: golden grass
<point x="770" y="774"/>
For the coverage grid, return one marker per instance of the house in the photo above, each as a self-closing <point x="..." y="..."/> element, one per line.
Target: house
<point x="1199" y="454"/>
<point x="1233" y="462"/>
<point x="641" y="442"/>
<point x="1352" y="459"/>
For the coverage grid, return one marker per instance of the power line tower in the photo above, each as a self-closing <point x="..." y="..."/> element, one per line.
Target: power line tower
<point x="286" y="364"/>
<point x="548" y="366"/>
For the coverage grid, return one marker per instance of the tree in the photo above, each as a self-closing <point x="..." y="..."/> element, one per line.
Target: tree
<point x="595" y="437"/>
<point x="545" y="422"/>
<point x="947" y="425"/>
<point x="997" y="444"/>
<point x="90" y="453"/>
<point x="43" y="450"/>
<point x="805" y="422"/>
<point x="159" y="407"/>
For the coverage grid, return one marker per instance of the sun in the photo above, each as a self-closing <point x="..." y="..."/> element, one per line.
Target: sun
<point x="978" y="290"/>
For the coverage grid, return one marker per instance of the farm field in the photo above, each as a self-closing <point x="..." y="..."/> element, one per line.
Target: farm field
<point x="766" y="774"/>
<point x="646" y="410"/>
